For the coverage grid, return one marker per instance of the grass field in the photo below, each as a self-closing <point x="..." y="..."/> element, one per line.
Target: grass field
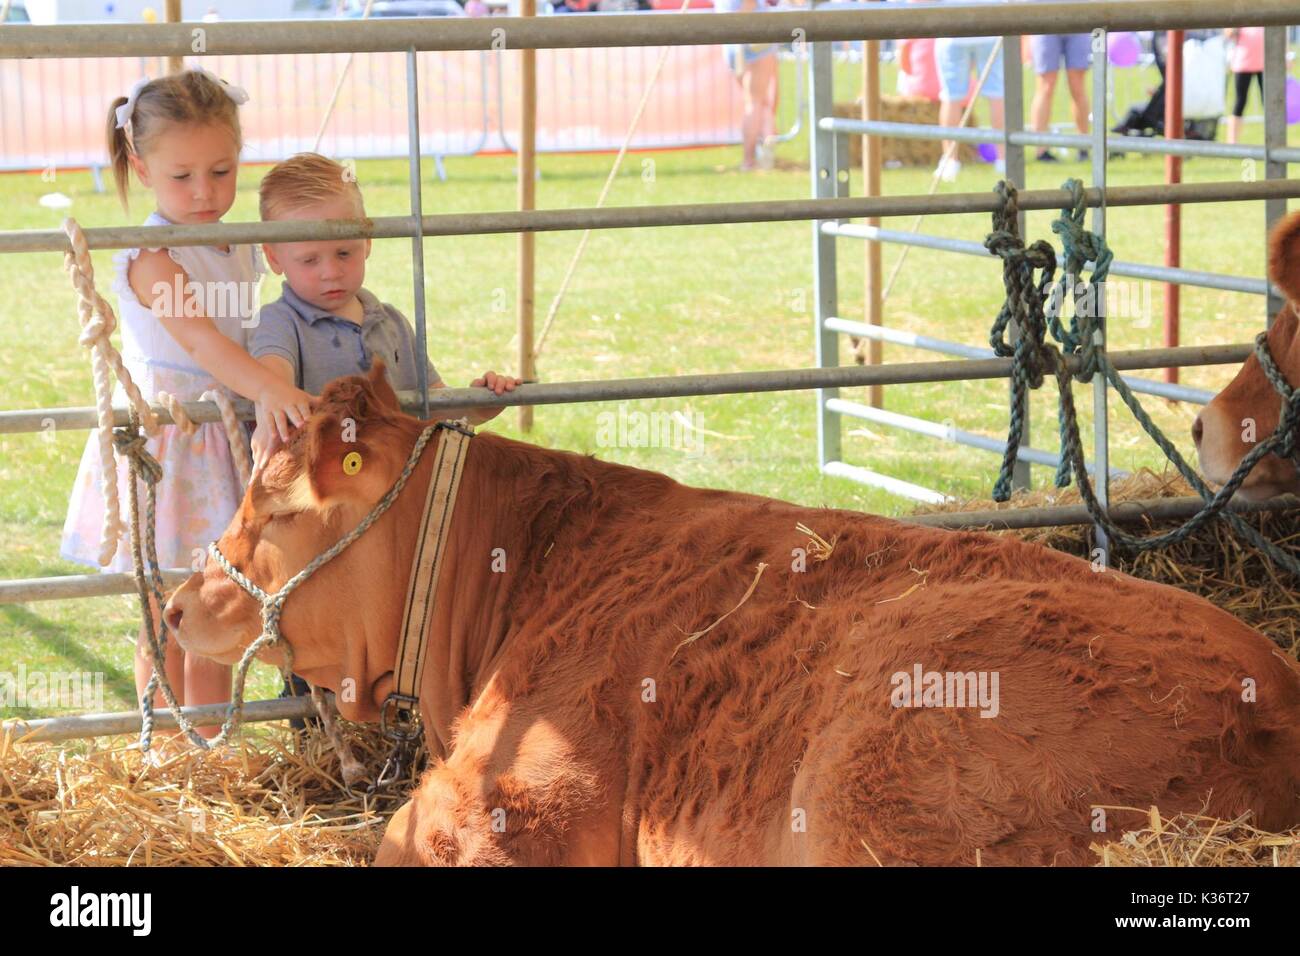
<point x="644" y="302"/>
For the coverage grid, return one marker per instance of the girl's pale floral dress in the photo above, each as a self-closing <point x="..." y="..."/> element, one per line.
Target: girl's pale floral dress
<point x="200" y="490"/>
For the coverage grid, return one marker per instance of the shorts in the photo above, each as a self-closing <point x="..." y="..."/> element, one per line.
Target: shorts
<point x="1049" y="50"/>
<point x="958" y="59"/>
<point x="740" y="55"/>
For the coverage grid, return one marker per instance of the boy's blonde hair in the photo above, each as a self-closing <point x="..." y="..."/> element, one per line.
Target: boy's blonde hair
<point x="307" y="179"/>
<point x="186" y="97"/>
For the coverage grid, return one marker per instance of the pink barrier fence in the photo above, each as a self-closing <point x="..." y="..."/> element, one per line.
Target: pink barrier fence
<point x="52" y="112"/>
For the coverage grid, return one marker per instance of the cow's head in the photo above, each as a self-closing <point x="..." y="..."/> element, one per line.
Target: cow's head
<point x="342" y="621"/>
<point x="1247" y="410"/>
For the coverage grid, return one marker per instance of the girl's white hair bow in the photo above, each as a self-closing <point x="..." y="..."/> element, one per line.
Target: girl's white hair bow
<point x="237" y="94"/>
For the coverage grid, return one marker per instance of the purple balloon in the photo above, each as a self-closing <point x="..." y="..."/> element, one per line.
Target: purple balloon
<point x="1124" y="48"/>
<point x="1292" y="100"/>
<point x="988" y="152"/>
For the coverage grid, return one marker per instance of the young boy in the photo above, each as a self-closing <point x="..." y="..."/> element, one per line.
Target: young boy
<point x="325" y="324"/>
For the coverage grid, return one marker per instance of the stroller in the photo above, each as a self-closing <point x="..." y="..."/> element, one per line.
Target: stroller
<point x="1205" y="65"/>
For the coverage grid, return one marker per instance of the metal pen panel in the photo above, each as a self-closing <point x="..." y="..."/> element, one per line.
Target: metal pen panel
<point x="1100" y="413"/>
<point x="1013" y="113"/>
<point x="1275" y="77"/>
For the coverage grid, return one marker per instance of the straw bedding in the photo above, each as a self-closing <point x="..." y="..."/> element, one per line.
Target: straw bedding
<point x="264" y="803"/>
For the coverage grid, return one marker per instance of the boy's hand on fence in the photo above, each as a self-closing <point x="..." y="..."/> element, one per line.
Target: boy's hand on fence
<point x="499" y="384"/>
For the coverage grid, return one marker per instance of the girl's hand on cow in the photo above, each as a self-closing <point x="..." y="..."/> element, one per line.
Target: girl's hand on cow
<point x="266" y="440"/>
<point x="284" y="406"/>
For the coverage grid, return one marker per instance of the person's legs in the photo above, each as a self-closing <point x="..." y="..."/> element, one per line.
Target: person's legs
<point x="174" y="664"/>
<point x="206" y="682"/>
<point x="765" y="83"/>
<point x="194" y="680"/>
<point x="753" y="120"/>
<point x="1078" y="57"/>
<point x="1040" y="110"/>
<point x="953" y="63"/>
<point x="997" y="113"/>
<point x="1077" y="79"/>
<point x="1241" y="89"/>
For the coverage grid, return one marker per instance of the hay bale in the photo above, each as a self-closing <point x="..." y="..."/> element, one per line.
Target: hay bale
<point x="1192" y="840"/>
<point x="1211" y="563"/>
<point x="905" y="152"/>
<point x="257" y="803"/>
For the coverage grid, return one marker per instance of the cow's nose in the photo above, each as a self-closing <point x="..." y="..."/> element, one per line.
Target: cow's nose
<point x="172" y="615"/>
<point x="1198" y="429"/>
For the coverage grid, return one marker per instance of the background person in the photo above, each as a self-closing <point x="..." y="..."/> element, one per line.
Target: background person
<point x="755" y="67"/>
<point x="958" y="60"/>
<point x="1049" y="51"/>
<point x="1246" y="65"/>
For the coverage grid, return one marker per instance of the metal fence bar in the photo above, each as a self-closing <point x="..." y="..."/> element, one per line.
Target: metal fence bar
<point x="627" y="217"/>
<point x="1013" y="123"/>
<point x="68" y="586"/>
<point x="1150" y="510"/>
<point x="1193" y="277"/>
<point x="1179" y="393"/>
<point x="473" y="33"/>
<point x="417" y="239"/>
<point x="1100" y="411"/>
<point x="675" y="386"/>
<point x="1275" y="77"/>
<point x="985" y="134"/>
<point x="54" y="729"/>
<point x="923" y="426"/>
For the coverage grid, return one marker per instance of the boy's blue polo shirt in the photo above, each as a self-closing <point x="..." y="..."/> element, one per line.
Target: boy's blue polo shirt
<point x="322" y="346"/>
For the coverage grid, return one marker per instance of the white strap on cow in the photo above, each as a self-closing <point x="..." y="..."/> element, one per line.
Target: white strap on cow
<point x="426" y="567"/>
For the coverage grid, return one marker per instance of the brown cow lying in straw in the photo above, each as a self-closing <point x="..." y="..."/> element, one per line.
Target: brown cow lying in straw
<point x="1247" y="410"/>
<point x="670" y="675"/>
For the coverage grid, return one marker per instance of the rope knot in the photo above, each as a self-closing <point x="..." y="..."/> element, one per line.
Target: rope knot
<point x="134" y="446"/>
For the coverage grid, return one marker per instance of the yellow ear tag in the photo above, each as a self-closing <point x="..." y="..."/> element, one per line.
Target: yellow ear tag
<point x="351" y="463"/>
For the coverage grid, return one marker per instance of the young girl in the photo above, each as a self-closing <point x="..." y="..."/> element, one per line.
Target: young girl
<point x="186" y="314"/>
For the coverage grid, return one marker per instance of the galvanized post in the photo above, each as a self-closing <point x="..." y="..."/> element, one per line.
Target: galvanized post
<point x="417" y="236"/>
<point x="1014" y="122"/>
<point x="1275" y="77"/>
<point x="1100" y="422"/>
<point x="824" y="169"/>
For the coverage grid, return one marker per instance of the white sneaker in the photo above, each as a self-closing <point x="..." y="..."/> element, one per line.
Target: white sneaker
<point x="948" y="171"/>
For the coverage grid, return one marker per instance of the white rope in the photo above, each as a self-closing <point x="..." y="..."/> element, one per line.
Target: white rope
<point x="98" y="321"/>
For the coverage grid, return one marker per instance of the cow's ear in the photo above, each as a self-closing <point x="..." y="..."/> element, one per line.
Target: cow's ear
<point x="1284" y="256"/>
<point x="343" y="463"/>
<point x="378" y="382"/>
